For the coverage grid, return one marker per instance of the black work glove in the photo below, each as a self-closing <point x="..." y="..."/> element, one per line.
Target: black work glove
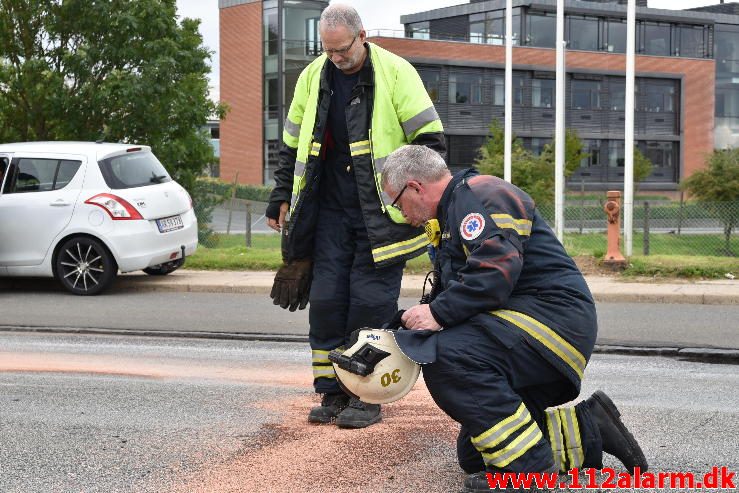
<point x="292" y="285"/>
<point x="395" y="323"/>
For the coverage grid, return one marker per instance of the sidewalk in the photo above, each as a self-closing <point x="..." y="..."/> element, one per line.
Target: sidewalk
<point x="604" y="289"/>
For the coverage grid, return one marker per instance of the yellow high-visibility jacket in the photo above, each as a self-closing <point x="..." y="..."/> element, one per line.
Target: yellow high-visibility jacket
<point x="389" y="108"/>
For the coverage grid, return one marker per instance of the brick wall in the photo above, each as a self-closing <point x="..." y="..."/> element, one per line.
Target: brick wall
<point x="242" y="140"/>
<point x="697" y="75"/>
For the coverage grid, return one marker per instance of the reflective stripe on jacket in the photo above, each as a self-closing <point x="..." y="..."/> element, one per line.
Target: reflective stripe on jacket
<point x="389" y="108"/>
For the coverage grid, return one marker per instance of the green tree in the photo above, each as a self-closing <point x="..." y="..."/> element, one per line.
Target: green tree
<point x="718" y="187"/>
<point x="531" y="173"/>
<point x="642" y="167"/>
<point x="117" y="70"/>
<point x="574" y="153"/>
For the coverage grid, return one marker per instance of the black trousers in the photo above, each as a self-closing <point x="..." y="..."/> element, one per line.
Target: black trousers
<point x="347" y="291"/>
<point x="500" y="394"/>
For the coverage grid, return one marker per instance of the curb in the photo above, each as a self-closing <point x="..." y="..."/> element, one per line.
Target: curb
<point x="697" y="354"/>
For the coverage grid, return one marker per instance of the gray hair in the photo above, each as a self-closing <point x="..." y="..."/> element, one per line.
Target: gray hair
<point x="338" y="14"/>
<point x="413" y="162"/>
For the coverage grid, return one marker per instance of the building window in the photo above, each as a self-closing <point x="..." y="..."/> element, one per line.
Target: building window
<point x="659" y="97"/>
<point x="727" y="103"/>
<point x="618" y="96"/>
<point x="584" y="33"/>
<point x="663" y="156"/>
<point x="499" y="91"/>
<point x="616" y="154"/>
<point x="727" y="52"/>
<point x="430" y="80"/>
<point x="271" y="108"/>
<point x="535" y="144"/>
<point x="542" y="93"/>
<point x="477" y="28"/>
<point x="656" y="39"/>
<point x="616" y="35"/>
<point x="419" y="30"/>
<point x="591" y="148"/>
<point x="585" y="94"/>
<point x="271" y="32"/>
<point x="463" y="150"/>
<point x="541" y="29"/>
<point x="465" y="89"/>
<point x="312" y="38"/>
<point x="692" y="41"/>
<point x="489" y="28"/>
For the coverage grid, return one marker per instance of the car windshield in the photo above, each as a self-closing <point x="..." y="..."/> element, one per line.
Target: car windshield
<point x="133" y="169"/>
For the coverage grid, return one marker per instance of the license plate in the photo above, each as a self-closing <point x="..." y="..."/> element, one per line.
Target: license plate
<point x="167" y="224"/>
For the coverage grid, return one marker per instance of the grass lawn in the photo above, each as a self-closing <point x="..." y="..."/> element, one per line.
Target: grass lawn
<point x="689" y="256"/>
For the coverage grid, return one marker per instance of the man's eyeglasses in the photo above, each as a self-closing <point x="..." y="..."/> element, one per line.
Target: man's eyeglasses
<point x="397" y="198"/>
<point x="340" y="51"/>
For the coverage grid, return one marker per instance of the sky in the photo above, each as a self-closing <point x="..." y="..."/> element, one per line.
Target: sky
<point x="375" y="14"/>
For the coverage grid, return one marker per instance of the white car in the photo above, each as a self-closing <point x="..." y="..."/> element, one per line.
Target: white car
<point x="82" y="211"/>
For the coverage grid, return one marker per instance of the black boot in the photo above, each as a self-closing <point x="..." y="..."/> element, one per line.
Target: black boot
<point x="358" y="414"/>
<point x="331" y="406"/>
<point x="617" y="440"/>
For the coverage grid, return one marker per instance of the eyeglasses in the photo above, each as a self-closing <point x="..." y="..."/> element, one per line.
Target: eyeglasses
<point x="397" y="198"/>
<point x="340" y="51"/>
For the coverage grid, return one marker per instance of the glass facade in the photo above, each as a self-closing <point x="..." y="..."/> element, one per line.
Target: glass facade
<point x="615" y="35"/>
<point x="726" y="132"/>
<point x="418" y="30"/>
<point x="655" y="39"/>
<point x="291" y="42"/>
<point x="541" y="29"/>
<point x="584" y="33"/>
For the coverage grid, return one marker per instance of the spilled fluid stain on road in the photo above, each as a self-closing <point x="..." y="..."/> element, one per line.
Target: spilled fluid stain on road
<point x="411" y="450"/>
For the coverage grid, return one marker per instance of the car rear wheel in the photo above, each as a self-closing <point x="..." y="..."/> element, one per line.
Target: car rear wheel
<point x="84" y="266"/>
<point x="165" y="268"/>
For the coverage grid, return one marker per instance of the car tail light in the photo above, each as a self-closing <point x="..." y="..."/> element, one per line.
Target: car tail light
<point x="117" y="207"/>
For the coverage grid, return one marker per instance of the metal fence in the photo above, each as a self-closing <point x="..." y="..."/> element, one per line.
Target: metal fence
<point x="660" y="227"/>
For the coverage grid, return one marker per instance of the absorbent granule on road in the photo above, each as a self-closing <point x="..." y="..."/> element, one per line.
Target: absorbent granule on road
<point x="412" y="449"/>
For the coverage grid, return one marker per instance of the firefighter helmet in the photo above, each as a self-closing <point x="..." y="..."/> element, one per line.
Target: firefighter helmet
<point x="374" y="369"/>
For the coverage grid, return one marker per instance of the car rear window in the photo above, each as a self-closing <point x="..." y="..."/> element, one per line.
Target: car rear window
<point x="134" y="169"/>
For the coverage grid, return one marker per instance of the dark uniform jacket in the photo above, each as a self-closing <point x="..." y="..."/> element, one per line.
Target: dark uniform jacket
<point x="500" y="262"/>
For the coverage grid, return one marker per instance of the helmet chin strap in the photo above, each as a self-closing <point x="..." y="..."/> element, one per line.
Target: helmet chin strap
<point x="362" y="362"/>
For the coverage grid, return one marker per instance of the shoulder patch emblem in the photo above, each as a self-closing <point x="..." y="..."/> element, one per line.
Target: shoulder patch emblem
<point x="472" y="226"/>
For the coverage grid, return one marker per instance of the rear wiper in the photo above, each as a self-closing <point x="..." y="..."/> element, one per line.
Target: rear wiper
<point x="157" y="178"/>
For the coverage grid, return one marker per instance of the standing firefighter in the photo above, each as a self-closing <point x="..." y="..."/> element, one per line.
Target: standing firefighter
<point x="519" y="326"/>
<point x="343" y="248"/>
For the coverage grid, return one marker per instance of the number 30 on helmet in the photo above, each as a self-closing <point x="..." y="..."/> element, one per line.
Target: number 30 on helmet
<point x="374" y="369"/>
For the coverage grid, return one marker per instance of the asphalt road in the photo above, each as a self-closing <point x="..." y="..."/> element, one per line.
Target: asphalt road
<point x="126" y="414"/>
<point x="632" y="323"/>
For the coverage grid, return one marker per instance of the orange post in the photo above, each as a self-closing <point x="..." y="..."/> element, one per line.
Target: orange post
<point x="613" y="215"/>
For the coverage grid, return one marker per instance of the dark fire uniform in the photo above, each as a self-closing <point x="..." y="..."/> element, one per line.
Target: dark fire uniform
<point x="519" y="327"/>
